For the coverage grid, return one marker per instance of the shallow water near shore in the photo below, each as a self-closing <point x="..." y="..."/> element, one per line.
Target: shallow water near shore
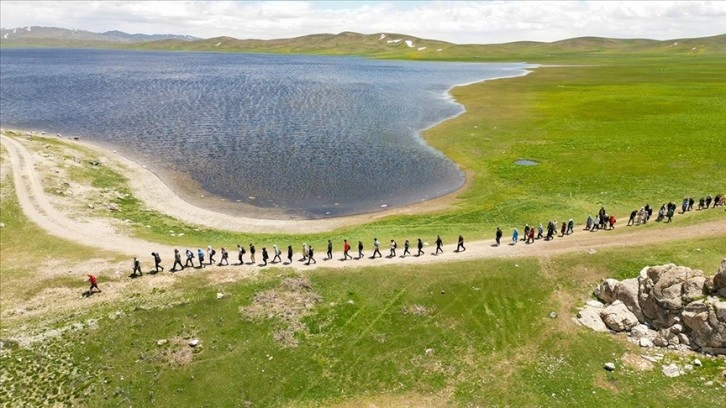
<point x="311" y="136"/>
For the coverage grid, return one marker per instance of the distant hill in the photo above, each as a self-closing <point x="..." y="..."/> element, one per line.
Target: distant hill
<point x="39" y="36"/>
<point x="379" y="45"/>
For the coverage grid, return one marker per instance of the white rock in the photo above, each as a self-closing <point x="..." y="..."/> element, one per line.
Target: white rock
<point x="595" y="303"/>
<point x="161" y="342"/>
<point x="591" y="318"/>
<point x="696" y="362"/>
<point x="429" y="351"/>
<point x="645" y="342"/>
<point x="672" y="370"/>
<point x="220" y="295"/>
<point x="194" y="343"/>
<point x="617" y="317"/>
<point x="609" y="366"/>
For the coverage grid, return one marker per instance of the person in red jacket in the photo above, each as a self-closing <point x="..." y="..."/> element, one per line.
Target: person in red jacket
<point x="94" y="284"/>
<point x="346" y="248"/>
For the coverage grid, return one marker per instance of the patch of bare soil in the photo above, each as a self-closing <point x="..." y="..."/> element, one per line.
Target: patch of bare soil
<point x="177" y="352"/>
<point x="636" y="362"/>
<point x="288" y="304"/>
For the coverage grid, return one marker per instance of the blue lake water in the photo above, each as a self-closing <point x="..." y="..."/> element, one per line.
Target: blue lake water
<point x="313" y="136"/>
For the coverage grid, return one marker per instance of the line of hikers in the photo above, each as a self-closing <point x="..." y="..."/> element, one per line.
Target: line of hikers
<point x="308" y="254"/>
<point x="602" y="221"/>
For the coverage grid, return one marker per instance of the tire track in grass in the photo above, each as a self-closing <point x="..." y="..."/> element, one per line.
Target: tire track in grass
<point x="362" y="334"/>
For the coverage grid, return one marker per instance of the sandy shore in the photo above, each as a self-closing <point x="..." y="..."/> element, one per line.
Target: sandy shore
<point x="159" y="196"/>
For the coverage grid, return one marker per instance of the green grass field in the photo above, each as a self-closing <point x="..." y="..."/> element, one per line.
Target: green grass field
<point x="629" y="130"/>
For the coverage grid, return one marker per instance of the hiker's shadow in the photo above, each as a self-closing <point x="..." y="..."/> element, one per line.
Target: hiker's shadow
<point x="87" y="293"/>
<point x="134" y="276"/>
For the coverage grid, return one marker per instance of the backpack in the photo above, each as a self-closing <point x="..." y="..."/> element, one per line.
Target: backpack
<point x="214" y="252"/>
<point x="395" y="244"/>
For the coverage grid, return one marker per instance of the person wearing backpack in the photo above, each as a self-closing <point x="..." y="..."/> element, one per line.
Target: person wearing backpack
<point x="460" y="245"/>
<point x="405" y="249"/>
<point x="376" y="248"/>
<point x="177" y="261"/>
<point x="394" y="245"/>
<point x="346" y="248"/>
<point x="200" y="255"/>
<point x="311" y="254"/>
<point x="277" y="252"/>
<point x="190" y="258"/>
<point x="211" y="252"/>
<point x="225" y="256"/>
<point x="157" y="261"/>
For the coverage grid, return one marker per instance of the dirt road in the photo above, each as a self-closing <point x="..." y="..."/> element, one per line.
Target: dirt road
<point x="101" y="233"/>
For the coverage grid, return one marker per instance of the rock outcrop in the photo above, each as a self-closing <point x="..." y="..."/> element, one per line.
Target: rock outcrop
<point x="666" y="306"/>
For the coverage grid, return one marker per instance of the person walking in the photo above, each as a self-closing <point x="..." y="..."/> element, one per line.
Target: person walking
<point x="419" y="245"/>
<point x="631" y="220"/>
<point x="157" y="261"/>
<point x="612" y="221"/>
<point x="570" y="226"/>
<point x="200" y="255"/>
<point x="311" y="257"/>
<point x="346" y="249"/>
<point x="394" y="245"/>
<point x="190" y="258"/>
<point x="563" y="229"/>
<point x="540" y="231"/>
<point x="460" y="244"/>
<point x="530" y="237"/>
<point x="588" y="223"/>
<point x="177" y="261"/>
<point x="406" y="244"/>
<point x="211" y="252"/>
<point x="289" y="254"/>
<point x="360" y="249"/>
<point x="515" y="236"/>
<point x="499" y="236"/>
<point x="225" y="257"/>
<point x="137" y="268"/>
<point x="240" y="254"/>
<point x="526" y="232"/>
<point x="265" y="256"/>
<point x="252" y="253"/>
<point x="376" y="248"/>
<point x="329" y="254"/>
<point x="277" y="252"/>
<point x="439" y="244"/>
<point x="305" y="252"/>
<point x="94" y="284"/>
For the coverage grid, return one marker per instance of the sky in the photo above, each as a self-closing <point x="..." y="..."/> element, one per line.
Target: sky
<point x="461" y="22"/>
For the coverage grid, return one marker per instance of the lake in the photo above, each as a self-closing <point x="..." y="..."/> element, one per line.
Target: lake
<point x="313" y="136"/>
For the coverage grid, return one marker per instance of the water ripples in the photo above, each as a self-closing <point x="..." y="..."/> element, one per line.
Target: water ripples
<point x="312" y="135"/>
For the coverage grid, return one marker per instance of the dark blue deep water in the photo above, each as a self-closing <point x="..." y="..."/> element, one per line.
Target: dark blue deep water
<point x="313" y="136"/>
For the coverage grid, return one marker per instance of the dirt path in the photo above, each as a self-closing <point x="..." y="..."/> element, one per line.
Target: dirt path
<point x="101" y="233"/>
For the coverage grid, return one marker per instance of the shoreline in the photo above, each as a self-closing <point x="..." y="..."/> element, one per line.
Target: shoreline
<point x="157" y="195"/>
<point x="151" y="181"/>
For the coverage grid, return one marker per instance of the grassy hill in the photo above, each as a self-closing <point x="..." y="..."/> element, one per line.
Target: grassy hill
<point x="385" y="45"/>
